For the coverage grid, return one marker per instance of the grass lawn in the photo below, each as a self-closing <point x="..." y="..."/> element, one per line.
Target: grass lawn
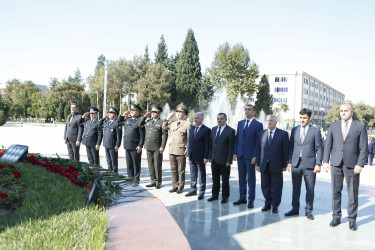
<point x="52" y="215"/>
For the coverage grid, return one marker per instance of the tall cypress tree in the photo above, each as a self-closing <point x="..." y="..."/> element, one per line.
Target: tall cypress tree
<point x="161" y="55"/>
<point x="188" y="71"/>
<point x="264" y="98"/>
<point x="172" y="67"/>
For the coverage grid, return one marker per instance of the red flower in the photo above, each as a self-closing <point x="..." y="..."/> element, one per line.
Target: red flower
<point x="17" y="174"/>
<point x="10" y="166"/>
<point x="71" y="168"/>
<point x="1" y="153"/>
<point x="24" y="161"/>
<point x="2" y="166"/>
<point x="88" y="186"/>
<point x="3" y="195"/>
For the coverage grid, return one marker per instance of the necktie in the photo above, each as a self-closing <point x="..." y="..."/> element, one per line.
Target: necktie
<point x="345" y="132"/>
<point x="303" y="134"/>
<point x="217" y="135"/>
<point x="270" y="138"/>
<point x="196" y="131"/>
<point x="247" y="124"/>
<point x="178" y="124"/>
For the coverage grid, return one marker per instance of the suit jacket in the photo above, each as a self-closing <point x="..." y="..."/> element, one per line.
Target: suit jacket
<point x="155" y="136"/>
<point x="73" y="131"/>
<point x="93" y="132"/>
<point x="179" y="136"/>
<point x="353" y="151"/>
<point x="246" y="139"/>
<point x="134" y="134"/>
<point x="199" y="146"/>
<point x="221" y="152"/>
<point x="312" y="150"/>
<point x="112" y="134"/>
<point x="276" y="153"/>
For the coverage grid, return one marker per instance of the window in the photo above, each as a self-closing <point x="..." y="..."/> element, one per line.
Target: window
<point x="316" y="104"/>
<point x="284" y="79"/>
<point x="316" y="95"/>
<point x="276" y="79"/>
<point x="304" y="101"/>
<point x="285" y="100"/>
<point x="305" y="91"/>
<point x="311" y="102"/>
<point x="280" y="89"/>
<point x="306" y="81"/>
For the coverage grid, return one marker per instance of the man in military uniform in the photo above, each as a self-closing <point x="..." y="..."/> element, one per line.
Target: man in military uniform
<point x="178" y="147"/>
<point x="92" y="135"/>
<point x="155" y="140"/>
<point x="134" y="137"/>
<point x="73" y="132"/>
<point x="112" y="133"/>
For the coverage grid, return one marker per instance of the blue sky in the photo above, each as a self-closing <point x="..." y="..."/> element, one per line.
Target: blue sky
<point x="331" y="40"/>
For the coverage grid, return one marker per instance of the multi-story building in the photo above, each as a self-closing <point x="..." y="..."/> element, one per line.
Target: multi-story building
<point x="301" y="90"/>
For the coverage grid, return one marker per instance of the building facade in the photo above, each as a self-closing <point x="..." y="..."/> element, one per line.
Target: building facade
<point x="301" y="90"/>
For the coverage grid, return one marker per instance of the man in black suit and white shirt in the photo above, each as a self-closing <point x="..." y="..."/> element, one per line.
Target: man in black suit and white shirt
<point x="305" y="159"/>
<point x="345" y="149"/>
<point x="221" y="157"/>
<point x="73" y="132"/>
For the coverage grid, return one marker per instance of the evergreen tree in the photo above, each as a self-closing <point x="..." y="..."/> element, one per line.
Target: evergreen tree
<point x="172" y="67"/>
<point x="53" y="82"/>
<point x="144" y="64"/>
<point x="188" y="72"/>
<point x="264" y="98"/>
<point x="204" y="93"/>
<point x="60" y="112"/>
<point x="161" y="56"/>
<point x="85" y="103"/>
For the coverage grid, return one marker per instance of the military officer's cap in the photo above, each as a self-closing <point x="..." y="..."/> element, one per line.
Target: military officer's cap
<point x="93" y="110"/>
<point x="182" y="108"/>
<point x="156" y="108"/>
<point x="135" y="107"/>
<point x="113" y="109"/>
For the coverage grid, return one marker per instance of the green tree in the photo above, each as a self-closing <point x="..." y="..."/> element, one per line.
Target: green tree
<point x="264" y="99"/>
<point x="3" y="106"/>
<point x="3" y="118"/>
<point x="85" y="103"/>
<point x="154" y="86"/>
<point x="161" y="55"/>
<point x="233" y="69"/>
<point x="172" y="67"/>
<point x="365" y="113"/>
<point x="53" y="82"/>
<point x="188" y="71"/>
<point x="77" y="77"/>
<point x="60" y="112"/>
<point x="204" y="93"/>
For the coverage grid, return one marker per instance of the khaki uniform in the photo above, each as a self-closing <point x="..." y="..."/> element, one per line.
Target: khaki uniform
<point x="177" y="148"/>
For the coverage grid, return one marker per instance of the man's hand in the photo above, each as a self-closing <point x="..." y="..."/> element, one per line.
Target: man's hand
<point x="357" y="169"/>
<point x="105" y="117"/>
<point x="139" y="149"/>
<point x="78" y="143"/>
<point x="161" y="150"/>
<point x="97" y="147"/>
<point x="171" y="116"/>
<point x="126" y="113"/>
<point x="317" y="169"/>
<point x="209" y="160"/>
<point x="289" y="167"/>
<point x="205" y="161"/>
<point x="85" y="115"/>
<point x="326" y="167"/>
<point x="234" y="157"/>
<point x="227" y="164"/>
<point x="257" y="168"/>
<point x="116" y="149"/>
<point x="254" y="160"/>
<point x="284" y="169"/>
<point x="185" y="153"/>
<point x="147" y="114"/>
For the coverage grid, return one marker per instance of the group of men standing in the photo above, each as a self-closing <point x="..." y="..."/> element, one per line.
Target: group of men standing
<point x="269" y="151"/>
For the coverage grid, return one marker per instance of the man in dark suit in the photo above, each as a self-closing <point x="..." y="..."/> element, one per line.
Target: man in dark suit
<point x="272" y="159"/>
<point x="345" y="149"/>
<point x="134" y="137"/>
<point x="198" y="152"/>
<point x="221" y="157"/>
<point x="155" y="141"/>
<point x="305" y="159"/>
<point x="92" y="135"/>
<point x="73" y="132"/>
<point x="245" y="149"/>
<point x="112" y="134"/>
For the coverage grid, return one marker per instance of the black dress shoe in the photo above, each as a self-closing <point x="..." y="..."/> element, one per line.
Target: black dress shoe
<point x="334" y="223"/>
<point x="212" y="198"/>
<point x="292" y="212"/>
<point x="158" y="186"/>
<point x="201" y="196"/>
<point x="224" y="200"/>
<point x="352" y="225"/>
<point x="309" y="216"/>
<point x="275" y="210"/>
<point x="180" y="191"/>
<point x="266" y="208"/>
<point x="151" y="185"/>
<point x="173" y="190"/>
<point x="239" y="202"/>
<point x="191" y="193"/>
<point x="250" y="204"/>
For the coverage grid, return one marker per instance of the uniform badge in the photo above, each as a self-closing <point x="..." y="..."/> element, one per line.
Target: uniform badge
<point x="111" y="130"/>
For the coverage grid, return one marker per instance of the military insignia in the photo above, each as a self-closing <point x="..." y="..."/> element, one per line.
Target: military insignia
<point x="111" y="130"/>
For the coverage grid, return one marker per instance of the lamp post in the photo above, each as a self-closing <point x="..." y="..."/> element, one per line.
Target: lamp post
<point x="105" y="89"/>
